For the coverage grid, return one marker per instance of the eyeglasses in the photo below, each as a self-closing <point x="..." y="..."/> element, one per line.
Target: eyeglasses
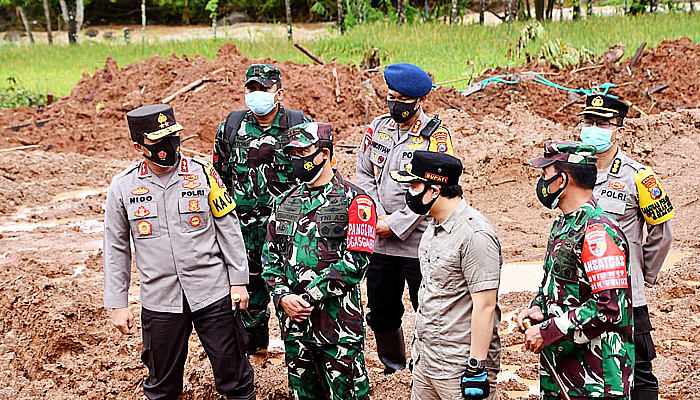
<point x="603" y="123"/>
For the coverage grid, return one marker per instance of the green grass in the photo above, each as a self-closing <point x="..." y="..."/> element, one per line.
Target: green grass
<point x="447" y="52"/>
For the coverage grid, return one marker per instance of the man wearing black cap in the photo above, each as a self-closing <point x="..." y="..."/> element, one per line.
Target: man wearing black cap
<point x="388" y="145"/>
<point x="187" y="240"/>
<point x="456" y="348"/>
<point x="582" y="314"/>
<point x="632" y="194"/>
<point x="249" y="158"/>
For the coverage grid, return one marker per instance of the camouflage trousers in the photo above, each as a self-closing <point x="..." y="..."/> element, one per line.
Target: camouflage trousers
<point x="258" y="308"/>
<point x="557" y="396"/>
<point x="326" y="372"/>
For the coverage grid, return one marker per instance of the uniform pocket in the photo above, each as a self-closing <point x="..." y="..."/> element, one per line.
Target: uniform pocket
<point x="193" y="214"/>
<point x="143" y="220"/>
<point x="446" y="270"/>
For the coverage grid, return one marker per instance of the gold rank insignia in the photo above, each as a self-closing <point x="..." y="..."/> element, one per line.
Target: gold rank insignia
<point x="597" y="102"/>
<point x="163" y="120"/>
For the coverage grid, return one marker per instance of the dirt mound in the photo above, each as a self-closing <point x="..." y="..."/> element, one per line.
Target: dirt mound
<point x="91" y="119"/>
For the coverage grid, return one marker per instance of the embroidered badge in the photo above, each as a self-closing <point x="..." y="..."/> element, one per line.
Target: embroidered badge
<point x="142" y="212"/>
<point x="195" y="220"/>
<point x="616" y="185"/>
<point x="193" y="205"/>
<point x="603" y="260"/>
<point x="144" y="228"/>
<point x="184" y="166"/>
<point x="140" y="191"/>
<point x="362" y="224"/>
<point x="191" y="185"/>
<point x="416" y="126"/>
<point x="144" y="169"/>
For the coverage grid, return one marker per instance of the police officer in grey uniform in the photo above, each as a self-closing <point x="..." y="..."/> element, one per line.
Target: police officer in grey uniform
<point x="388" y="145"/>
<point x="188" y="243"/>
<point x="632" y="194"/>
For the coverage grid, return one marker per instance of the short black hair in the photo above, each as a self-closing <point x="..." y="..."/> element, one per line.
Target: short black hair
<point x="136" y="137"/>
<point x="451" y="191"/>
<point x="584" y="175"/>
<point x="325" y="144"/>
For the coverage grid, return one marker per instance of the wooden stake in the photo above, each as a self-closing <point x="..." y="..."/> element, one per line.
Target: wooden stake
<point x="637" y="54"/>
<point x="585" y="68"/>
<point x="31" y="146"/>
<point x="337" y="85"/>
<point x="452" y="81"/>
<point x="309" y="54"/>
<point x="185" y="89"/>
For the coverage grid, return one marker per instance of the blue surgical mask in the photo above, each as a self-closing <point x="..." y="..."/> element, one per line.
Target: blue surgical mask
<point x="259" y="102"/>
<point x="597" y="137"/>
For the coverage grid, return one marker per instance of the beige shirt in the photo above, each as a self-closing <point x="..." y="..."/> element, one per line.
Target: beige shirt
<point x="459" y="257"/>
<point x="617" y="194"/>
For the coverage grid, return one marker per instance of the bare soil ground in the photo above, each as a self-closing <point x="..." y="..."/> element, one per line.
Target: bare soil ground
<point x="56" y="340"/>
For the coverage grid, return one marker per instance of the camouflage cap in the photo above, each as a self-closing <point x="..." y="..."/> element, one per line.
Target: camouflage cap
<point x="565" y="151"/>
<point x="304" y="135"/>
<point x="264" y="74"/>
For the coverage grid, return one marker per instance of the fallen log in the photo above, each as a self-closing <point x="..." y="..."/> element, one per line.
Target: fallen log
<point x="309" y="54"/>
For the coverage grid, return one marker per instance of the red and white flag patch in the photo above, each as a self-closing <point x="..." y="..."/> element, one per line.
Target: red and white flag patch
<point x="367" y="141"/>
<point x="603" y="260"/>
<point x="362" y="224"/>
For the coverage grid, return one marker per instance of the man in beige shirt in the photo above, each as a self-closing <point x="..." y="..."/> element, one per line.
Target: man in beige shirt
<point x="456" y="346"/>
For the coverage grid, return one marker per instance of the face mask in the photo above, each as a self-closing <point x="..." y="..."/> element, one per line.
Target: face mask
<point x="259" y="102"/>
<point x="165" y="152"/>
<point x="550" y="200"/>
<point x="400" y="111"/>
<point x="304" y="168"/>
<point x="597" y="137"/>
<point x="414" y="201"/>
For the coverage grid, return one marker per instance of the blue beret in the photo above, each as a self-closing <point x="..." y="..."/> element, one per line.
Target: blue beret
<point x="408" y="80"/>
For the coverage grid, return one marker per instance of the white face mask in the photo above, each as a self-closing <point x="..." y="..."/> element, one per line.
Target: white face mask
<point x="259" y="102"/>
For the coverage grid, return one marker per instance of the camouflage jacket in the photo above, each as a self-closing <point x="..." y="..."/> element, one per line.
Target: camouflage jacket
<point x="587" y="304"/>
<point x="310" y="249"/>
<point x="259" y="172"/>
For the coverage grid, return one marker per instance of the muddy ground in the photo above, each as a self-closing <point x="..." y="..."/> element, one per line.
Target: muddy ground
<point x="56" y="340"/>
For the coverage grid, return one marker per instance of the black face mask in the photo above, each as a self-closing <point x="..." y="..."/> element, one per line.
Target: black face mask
<point x="165" y="152"/>
<point x="550" y="200"/>
<point x="304" y="168"/>
<point x="400" y="111"/>
<point x="415" y="202"/>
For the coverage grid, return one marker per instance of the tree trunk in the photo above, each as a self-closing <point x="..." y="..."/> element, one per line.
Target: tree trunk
<point x="550" y="9"/>
<point x="288" y="14"/>
<point x="453" y="15"/>
<point x="359" y="12"/>
<point x="186" y="13"/>
<point x="341" y="17"/>
<point x="27" y="27"/>
<point x="47" y="14"/>
<point x="401" y="11"/>
<point x="691" y="6"/>
<point x="143" y="21"/>
<point x="510" y="11"/>
<point x="427" y="11"/>
<point x="577" y="9"/>
<point x="73" y="17"/>
<point x="561" y="10"/>
<point x="213" y="24"/>
<point x="482" y="6"/>
<point x="589" y="8"/>
<point x="539" y="10"/>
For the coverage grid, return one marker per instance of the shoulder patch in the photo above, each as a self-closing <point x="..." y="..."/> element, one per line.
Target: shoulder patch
<point x="220" y="201"/>
<point x="368" y="139"/>
<point x="441" y="142"/>
<point x="654" y="203"/>
<point x="605" y="263"/>
<point x="362" y="224"/>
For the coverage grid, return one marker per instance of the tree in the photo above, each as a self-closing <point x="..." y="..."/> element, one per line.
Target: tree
<point x="212" y="6"/>
<point x="341" y="17"/>
<point x="401" y="11"/>
<point x="73" y="16"/>
<point x="47" y="14"/>
<point x="453" y="16"/>
<point x="27" y="27"/>
<point x="539" y="10"/>
<point x="288" y="13"/>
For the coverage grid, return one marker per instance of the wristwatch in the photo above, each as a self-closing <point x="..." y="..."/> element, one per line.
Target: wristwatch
<point x="306" y="297"/>
<point x="475" y="363"/>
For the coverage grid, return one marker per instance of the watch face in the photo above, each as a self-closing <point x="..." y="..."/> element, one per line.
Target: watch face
<point x="473" y="362"/>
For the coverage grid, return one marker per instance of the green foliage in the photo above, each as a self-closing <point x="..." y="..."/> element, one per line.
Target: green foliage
<point x="531" y="31"/>
<point x="562" y="56"/>
<point x="212" y="6"/>
<point x="13" y="95"/>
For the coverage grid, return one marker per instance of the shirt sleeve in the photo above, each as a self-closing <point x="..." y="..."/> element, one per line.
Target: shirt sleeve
<point x="481" y="262"/>
<point x="230" y="239"/>
<point x="273" y="262"/>
<point x="655" y="249"/>
<point x="117" y="250"/>
<point x="364" y="169"/>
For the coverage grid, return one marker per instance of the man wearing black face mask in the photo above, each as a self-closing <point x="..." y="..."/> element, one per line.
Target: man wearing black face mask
<point x="456" y="348"/>
<point x="187" y="241"/>
<point x="388" y="145"/>
<point x="582" y="314"/>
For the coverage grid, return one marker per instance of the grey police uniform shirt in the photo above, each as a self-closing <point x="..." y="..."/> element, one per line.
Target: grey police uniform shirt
<point x="459" y="257"/>
<point x="180" y="246"/>
<point x="617" y="193"/>
<point x="385" y="149"/>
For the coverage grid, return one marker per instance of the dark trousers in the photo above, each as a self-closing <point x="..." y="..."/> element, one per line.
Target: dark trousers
<point x="385" y="283"/>
<point x="165" y="337"/>
<point x="646" y="386"/>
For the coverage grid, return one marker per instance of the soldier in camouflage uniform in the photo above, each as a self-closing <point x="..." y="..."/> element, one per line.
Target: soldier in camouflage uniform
<point x="317" y="250"/>
<point x="249" y="158"/>
<point x="584" y="303"/>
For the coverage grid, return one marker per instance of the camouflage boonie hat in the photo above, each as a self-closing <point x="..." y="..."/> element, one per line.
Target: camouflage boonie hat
<point x="304" y="135"/>
<point x="265" y="74"/>
<point x="565" y="151"/>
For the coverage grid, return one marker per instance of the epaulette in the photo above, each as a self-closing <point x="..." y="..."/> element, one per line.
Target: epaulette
<point x="128" y="170"/>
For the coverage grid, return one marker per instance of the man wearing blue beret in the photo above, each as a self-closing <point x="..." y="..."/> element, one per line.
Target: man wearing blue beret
<point x="388" y="145"/>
